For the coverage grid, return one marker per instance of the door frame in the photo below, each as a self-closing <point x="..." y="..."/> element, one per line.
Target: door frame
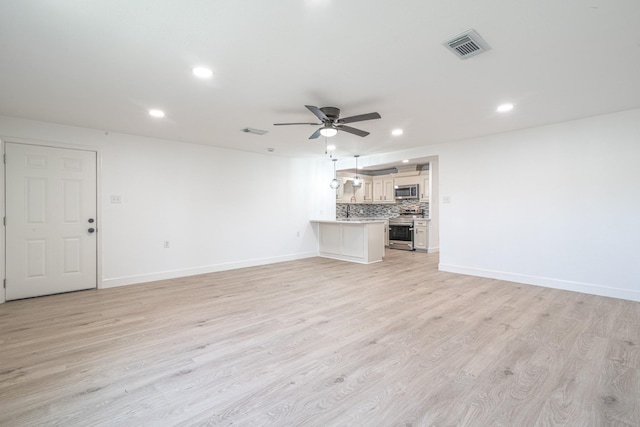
<point x="50" y="144"/>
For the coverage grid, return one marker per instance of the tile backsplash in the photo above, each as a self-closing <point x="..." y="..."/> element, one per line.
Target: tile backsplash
<point x="370" y="210"/>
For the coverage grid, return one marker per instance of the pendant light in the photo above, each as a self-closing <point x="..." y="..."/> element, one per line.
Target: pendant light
<point x="357" y="182"/>
<point x="334" y="182"/>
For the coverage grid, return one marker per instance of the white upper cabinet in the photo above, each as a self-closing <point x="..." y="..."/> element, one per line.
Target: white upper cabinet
<point x="424" y="186"/>
<point x="365" y="193"/>
<point x="383" y="189"/>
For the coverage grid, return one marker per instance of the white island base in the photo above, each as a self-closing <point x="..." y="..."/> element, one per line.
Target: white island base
<point x="355" y="241"/>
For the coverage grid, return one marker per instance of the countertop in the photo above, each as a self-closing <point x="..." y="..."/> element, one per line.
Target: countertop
<point x="350" y="221"/>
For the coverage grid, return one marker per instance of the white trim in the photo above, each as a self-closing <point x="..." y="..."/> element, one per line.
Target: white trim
<point x="433" y="249"/>
<point x="347" y="258"/>
<point x="173" y="274"/>
<point x="3" y="245"/>
<point x="52" y="144"/>
<point x="547" y="282"/>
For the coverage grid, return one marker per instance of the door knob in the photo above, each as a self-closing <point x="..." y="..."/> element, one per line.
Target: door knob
<point x="91" y="220"/>
<point x="91" y="230"/>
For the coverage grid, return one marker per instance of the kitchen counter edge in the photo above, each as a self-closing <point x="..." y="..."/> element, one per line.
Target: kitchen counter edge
<point x="338" y="221"/>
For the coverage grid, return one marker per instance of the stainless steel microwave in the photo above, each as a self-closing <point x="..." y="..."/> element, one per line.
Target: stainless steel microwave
<point x="406" y="192"/>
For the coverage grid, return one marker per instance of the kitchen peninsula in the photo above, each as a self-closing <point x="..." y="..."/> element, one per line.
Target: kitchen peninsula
<point x="360" y="241"/>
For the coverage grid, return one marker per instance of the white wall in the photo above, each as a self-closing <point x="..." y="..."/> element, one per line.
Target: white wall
<point x="557" y="206"/>
<point x="219" y="208"/>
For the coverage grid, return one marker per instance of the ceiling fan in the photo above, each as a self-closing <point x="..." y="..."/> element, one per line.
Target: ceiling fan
<point x="331" y="122"/>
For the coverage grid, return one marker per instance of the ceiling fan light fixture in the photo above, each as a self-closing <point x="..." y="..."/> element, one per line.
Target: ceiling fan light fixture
<point x="332" y="123"/>
<point x="328" y="132"/>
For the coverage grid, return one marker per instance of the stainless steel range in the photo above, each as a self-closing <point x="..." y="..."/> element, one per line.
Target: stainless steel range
<point x="401" y="229"/>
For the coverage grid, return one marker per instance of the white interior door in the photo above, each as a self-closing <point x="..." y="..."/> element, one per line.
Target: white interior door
<point x="51" y="224"/>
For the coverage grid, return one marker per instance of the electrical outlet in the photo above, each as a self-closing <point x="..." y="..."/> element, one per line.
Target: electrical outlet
<point x="446" y="199"/>
<point x="116" y="198"/>
<point x="166" y="244"/>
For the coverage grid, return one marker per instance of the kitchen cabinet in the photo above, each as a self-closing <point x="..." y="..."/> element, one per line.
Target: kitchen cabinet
<point x="421" y="235"/>
<point x="364" y="194"/>
<point x="367" y="190"/>
<point x="383" y="189"/>
<point x="405" y="179"/>
<point x="347" y="193"/>
<point x="423" y="186"/>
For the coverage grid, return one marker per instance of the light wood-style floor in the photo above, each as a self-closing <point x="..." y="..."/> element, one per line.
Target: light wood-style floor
<point x="319" y="342"/>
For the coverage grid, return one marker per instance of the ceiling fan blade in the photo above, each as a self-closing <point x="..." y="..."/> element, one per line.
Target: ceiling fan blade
<point x="353" y="130"/>
<point x="360" y="118"/>
<point x="315" y="134"/>
<point x="287" y="124"/>
<point x="318" y="112"/>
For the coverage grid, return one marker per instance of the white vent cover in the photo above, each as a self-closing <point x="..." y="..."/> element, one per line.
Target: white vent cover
<point x="467" y="44"/>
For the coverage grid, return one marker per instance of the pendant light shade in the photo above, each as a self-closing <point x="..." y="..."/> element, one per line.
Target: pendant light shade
<point x="334" y="182"/>
<point x="357" y="182"/>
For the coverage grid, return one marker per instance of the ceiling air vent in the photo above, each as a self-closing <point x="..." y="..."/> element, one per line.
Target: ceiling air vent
<point x="467" y="44"/>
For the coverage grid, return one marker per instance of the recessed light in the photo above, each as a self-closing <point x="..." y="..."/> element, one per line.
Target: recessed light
<point x="396" y="132"/>
<point x="202" y="72"/>
<point x="405" y="161"/>
<point x="156" y="113"/>
<point x="504" y="108"/>
<point x="331" y="147"/>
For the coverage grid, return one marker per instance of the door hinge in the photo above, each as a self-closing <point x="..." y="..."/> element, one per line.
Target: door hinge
<point x="4" y="283"/>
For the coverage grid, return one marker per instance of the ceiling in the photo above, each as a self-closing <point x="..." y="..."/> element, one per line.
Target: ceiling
<point x="104" y="63"/>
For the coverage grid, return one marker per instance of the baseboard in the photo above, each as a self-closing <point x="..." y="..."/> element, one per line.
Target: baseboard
<point x="173" y="274"/>
<point x="585" y="288"/>
<point x="433" y="249"/>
